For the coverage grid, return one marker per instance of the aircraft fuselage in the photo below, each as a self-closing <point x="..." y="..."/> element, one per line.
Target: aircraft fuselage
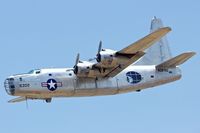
<point x="48" y="83"/>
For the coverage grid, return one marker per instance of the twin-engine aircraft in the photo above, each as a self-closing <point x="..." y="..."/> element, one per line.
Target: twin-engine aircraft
<point x="143" y="64"/>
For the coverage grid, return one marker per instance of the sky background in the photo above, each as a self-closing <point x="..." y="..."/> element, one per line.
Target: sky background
<point x="49" y="33"/>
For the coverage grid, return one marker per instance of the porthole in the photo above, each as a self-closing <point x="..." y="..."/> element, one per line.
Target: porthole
<point x="37" y="72"/>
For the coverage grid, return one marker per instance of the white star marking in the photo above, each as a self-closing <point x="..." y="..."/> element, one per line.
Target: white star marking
<point x="52" y="85"/>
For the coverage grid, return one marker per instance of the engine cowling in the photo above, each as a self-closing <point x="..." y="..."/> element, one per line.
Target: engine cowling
<point x="106" y="58"/>
<point x="83" y="68"/>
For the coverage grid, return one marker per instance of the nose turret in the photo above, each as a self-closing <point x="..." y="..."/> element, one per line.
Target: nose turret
<point x="10" y="86"/>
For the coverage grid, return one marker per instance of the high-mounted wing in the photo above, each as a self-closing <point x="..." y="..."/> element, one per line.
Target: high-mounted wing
<point x="135" y="51"/>
<point x="110" y="63"/>
<point x="18" y="99"/>
<point x="145" y="42"/>
<point x="124" y="64"/>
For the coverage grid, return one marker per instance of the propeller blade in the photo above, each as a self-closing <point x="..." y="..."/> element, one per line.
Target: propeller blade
<point x="99" y="50"/>
<point x="100" y="47"/>
<point x="77" y="59"/>
<point x="76" y="63"/>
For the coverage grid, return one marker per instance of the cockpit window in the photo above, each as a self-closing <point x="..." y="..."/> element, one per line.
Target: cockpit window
<point x="37" y="71"/>
<point x="31" y="72"/>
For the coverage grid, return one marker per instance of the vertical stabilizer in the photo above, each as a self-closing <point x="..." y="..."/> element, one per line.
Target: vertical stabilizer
<point x="160" y="51"/>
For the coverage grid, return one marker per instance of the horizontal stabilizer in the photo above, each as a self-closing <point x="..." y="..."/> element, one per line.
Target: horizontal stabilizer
<point x="18" y="99"/>
<point x="173" y="62"/>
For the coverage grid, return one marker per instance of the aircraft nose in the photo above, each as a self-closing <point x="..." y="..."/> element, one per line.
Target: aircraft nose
<point x="9" y="86"/>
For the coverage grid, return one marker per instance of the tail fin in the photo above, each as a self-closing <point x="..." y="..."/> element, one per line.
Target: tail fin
<point x="173" y="62"/>
<point x="160" y="51"/>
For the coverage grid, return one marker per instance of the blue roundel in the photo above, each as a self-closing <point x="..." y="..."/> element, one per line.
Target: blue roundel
<point x="133" y="77"/>
<point x="52" y="84"/>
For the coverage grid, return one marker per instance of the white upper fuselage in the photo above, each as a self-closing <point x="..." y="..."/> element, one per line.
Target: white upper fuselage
<point x="62" y="82"/>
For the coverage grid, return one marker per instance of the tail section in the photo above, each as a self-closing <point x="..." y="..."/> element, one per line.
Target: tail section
<point x="160" y="51"/>
<point x="173" y="62"/>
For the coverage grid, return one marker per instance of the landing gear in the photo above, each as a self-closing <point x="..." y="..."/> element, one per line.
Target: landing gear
<point x="48" y="100"/>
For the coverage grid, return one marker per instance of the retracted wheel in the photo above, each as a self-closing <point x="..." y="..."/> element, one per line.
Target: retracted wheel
<point x="48" y="100"/>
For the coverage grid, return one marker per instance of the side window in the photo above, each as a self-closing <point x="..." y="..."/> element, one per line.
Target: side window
<point x="37" y="72"/>
<point x="69" y="72"/>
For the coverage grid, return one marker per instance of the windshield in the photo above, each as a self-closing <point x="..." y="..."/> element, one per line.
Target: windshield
<point x="34" y="71"/>
<point x="31" y="72"/>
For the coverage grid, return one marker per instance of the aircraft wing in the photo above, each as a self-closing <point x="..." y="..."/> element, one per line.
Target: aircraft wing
<point x="121" y="59"/>
<point x="18" y="99"/>
<point x="124" y="64"/>
<point x="145" y="42"/>
<point x="135" y="51"/>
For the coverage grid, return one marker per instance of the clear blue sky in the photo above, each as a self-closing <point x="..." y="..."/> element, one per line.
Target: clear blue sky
<point x="49" y="33"/>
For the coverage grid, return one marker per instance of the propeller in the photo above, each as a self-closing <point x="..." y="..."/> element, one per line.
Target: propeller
<point x="98" y="55"/>
<point x="76" y="63"/>
<point x="100" y="47"/>
<point x="77" y="59"/>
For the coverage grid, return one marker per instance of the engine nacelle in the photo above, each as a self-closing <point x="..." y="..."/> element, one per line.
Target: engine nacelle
<point x="83" y="68"/>
<point x="106" y="58"/>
